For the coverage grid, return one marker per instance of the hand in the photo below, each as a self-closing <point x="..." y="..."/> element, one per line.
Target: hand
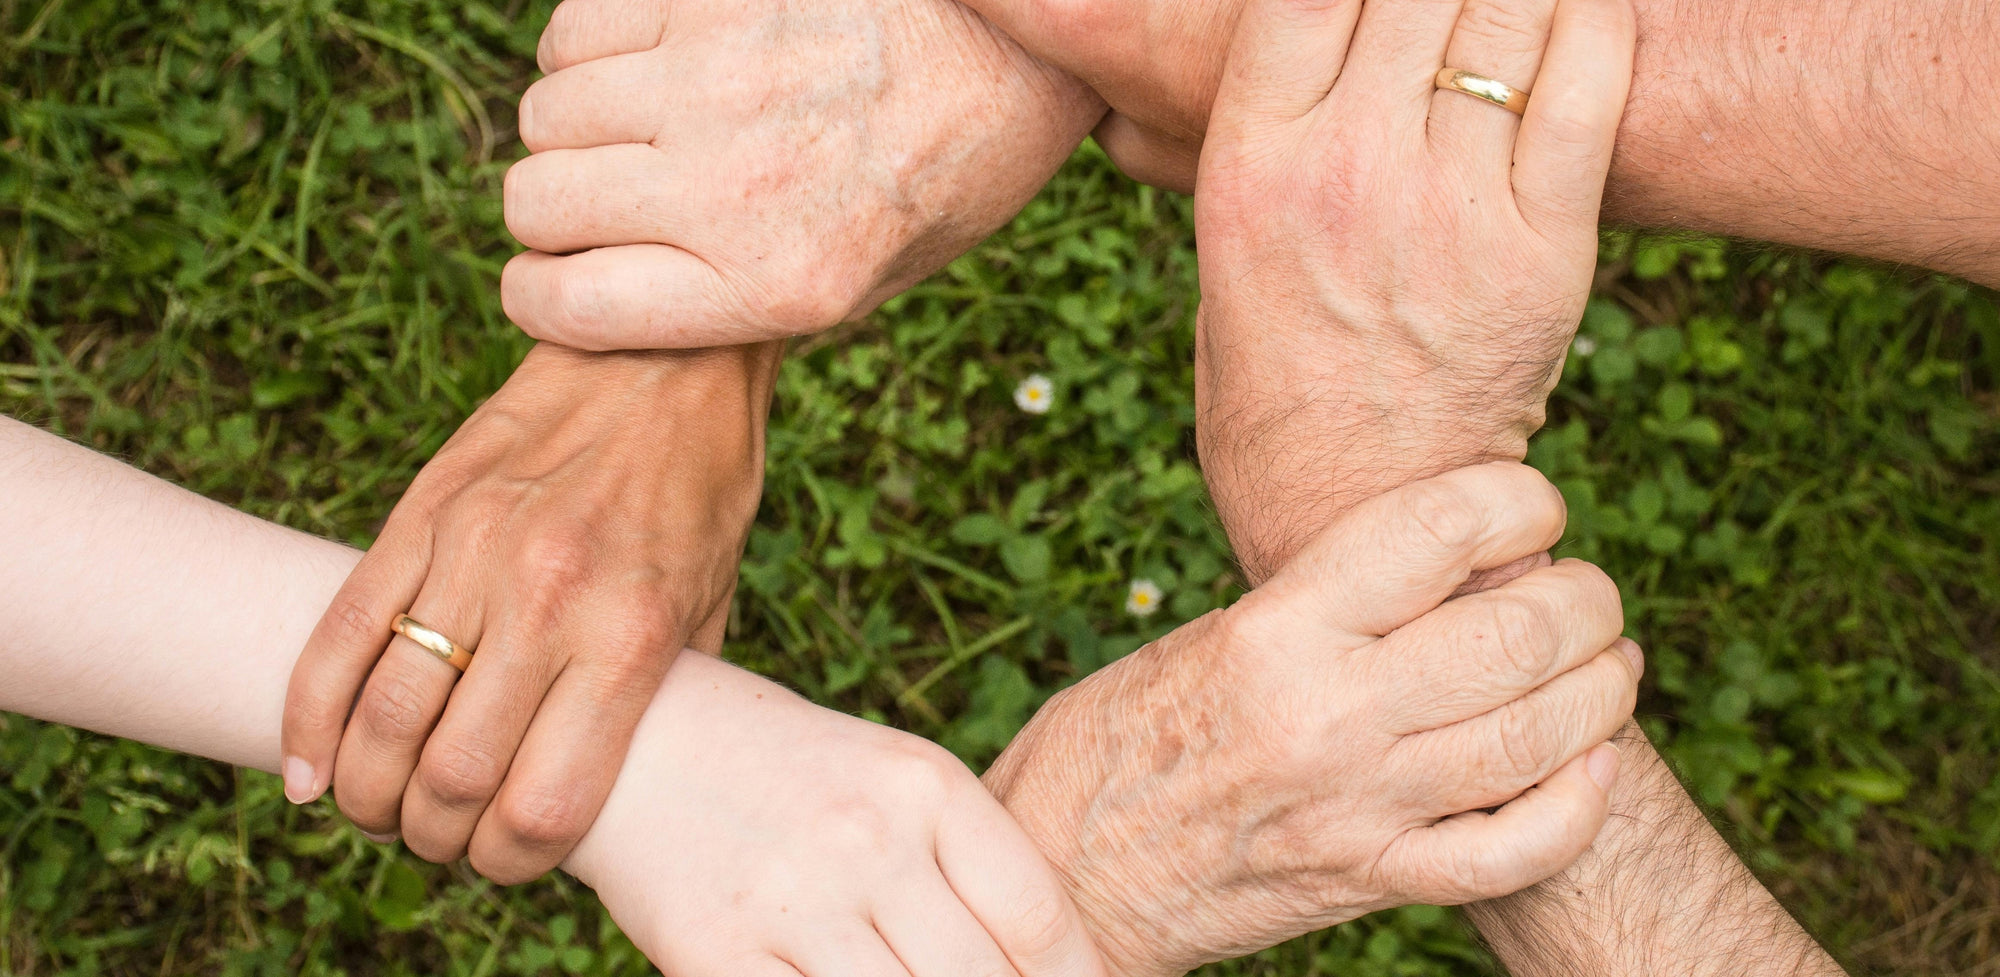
<point x="589" y="515"/>
<point x="1326" y="747"/>
<point x="710" y="172"/>
<point x="754" y="834"/>
<point x="1391" y="274"/>
<point x="1157" y="65"/>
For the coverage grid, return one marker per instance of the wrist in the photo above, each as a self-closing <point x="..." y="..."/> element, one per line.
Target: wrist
<point x="1658" y="888"/>
<point x="1297" y="426"/>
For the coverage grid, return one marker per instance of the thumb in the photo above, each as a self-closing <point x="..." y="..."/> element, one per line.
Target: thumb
<point x="1284" y="60"/>
<point x="1474" y="856"/>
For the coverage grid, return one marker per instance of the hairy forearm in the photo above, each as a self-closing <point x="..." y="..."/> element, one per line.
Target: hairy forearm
<point x="1659" y="892"/>
<point x="1859" y="126"/>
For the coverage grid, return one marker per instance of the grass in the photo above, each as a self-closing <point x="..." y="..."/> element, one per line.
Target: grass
<point x="252" y="246"/>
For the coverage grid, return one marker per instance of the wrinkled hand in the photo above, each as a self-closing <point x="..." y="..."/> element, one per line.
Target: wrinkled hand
<point x="1391" y="274"/>
<point x="709" y="172"/>
<point x="589" y="515"/>
<point x="1326" y="747"/>
<point x="754" y="834"/>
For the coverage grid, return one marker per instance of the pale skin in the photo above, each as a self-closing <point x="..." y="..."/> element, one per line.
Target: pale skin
<point x="749" y="831"/>
<point x="752" y="832"/>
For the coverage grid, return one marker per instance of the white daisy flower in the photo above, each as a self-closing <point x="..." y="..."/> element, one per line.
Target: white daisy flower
<point x="1143" y="599"/>
<point x="1035" y="395"/>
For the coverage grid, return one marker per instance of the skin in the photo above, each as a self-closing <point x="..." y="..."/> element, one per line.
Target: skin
<point x="1281" y="395"/>
<point x="521" y="540"/>
<point x="725" y="848"/>
<point x="1845" y="125"/>
<point x="568" y="534"/>
<point x="1890" y="169"/>
<point x="752" y="832"/>
<point x="773" y="202"/>
<point x="1203" y="803"/>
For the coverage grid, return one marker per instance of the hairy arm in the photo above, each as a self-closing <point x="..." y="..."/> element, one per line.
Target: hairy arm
<point x="1858" y="126"/>
<point x="1659" y="892"/>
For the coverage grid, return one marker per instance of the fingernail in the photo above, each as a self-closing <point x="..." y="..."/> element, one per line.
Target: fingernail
<point x="1602" y="765"/>
<point x="299" y="786"/>
<point x="389" y="838"/>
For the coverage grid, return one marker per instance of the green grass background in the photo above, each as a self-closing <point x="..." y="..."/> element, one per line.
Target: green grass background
<point x="253" y="246"/>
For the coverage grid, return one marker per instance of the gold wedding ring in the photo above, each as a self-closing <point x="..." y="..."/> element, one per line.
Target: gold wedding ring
<point x="1479" y="86"/>
<point x="431" y="640"/>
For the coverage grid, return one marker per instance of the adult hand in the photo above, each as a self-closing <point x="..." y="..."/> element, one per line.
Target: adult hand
<point x="710" y="172"/>
<point x="1391" y="273"/>
<point x="589" y="515"/>
<point x="1157" y="64"/>
<point x="754" y="834"/>
<point x="1326" y="747"/>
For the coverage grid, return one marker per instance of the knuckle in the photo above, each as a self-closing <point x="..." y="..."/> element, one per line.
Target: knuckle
<point x="1441" y="515"/>
<point x="394" y="707"/>
<point x="1473" y="876"/>
<point x="1523" y="750"/>
<point x="461" y="775"/>
<point x="350" y="623"/>
<point x="555" y="559"/>
<point x="623" y="682"/>
<point x="927" y="772"/>
<point x="576" y="299"/>
<point x="1617" y="693"/>
<point x="312" y="710"/>
<point x="1510" y="28"/>
<point x="823" y="297"/>
<point x="1597" y="589"/>
<point x="1522" y="634"/>
<point x="1572" y="131"/>
<point x="545" y="817"/>
<point x="366" y="814"/>
<point x="857" y="828"/>
<point x="1039" y="924"/>
<point x="642" y="625"/>
<point x="1518" y="634"/>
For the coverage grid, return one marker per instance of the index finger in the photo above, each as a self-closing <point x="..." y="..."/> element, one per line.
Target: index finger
<point x="1394" y="558"/>
<point x="999" y="874"/>
<point x="349" y="639"/>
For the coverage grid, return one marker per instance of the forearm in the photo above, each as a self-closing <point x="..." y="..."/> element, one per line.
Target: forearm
<point x="131" y="607"/>
<point x="1659" y="892"/>
<point x="1298" y="423"/>
<point x="1857" y="126"/>
<point x="137" y="609"/>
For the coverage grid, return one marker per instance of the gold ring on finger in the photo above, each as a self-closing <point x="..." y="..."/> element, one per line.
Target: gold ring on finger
<point x="432" y="640"/>
<point x="1481" y="87"/>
